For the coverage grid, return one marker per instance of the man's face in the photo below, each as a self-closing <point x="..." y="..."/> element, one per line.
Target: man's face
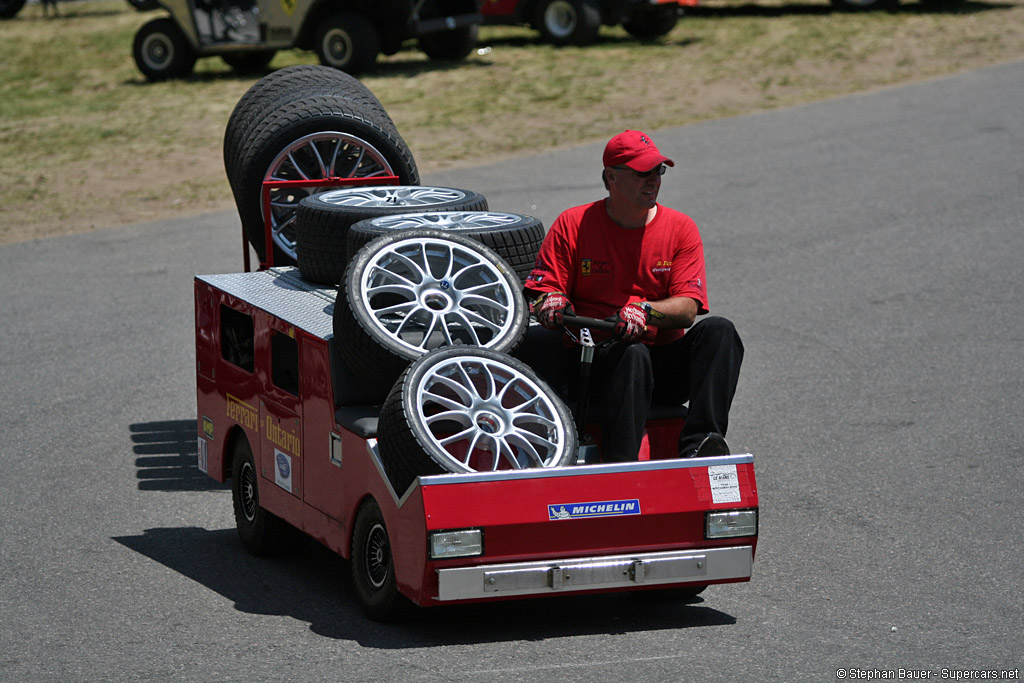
<point x="635" y="188"/>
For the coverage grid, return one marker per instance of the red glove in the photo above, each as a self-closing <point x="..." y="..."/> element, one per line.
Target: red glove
<point x="630" y="322"/>
<point x="553" y="308"/>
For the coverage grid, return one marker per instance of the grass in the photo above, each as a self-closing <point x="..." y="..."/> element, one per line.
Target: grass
<point x="86" y="142"/>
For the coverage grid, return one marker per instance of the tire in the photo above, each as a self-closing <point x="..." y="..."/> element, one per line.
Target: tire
<point x="10" y="8"/>
<point x="322" y="221"/>
<point x="249" y="62"/>
<point x="651" y="23"/>
<point x="144" y="5"/>
<point x="262" y="533"/>
<point x="286" y="86"/>
<point x="317" y="137"/>
<point x="161" y="51"/>
<point x="568" y="22"/>
<point x="450" y="46"/>
<point x="373" y="566"/>
<point x="514" y="237"/>
<point x="469" y="409"/>
<point x="865" y="5"/>
<point x="348" y="42"/>
<point x="409" y="292"/>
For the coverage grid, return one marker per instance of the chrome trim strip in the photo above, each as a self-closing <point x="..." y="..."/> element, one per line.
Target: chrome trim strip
<point x="710" y="565"/>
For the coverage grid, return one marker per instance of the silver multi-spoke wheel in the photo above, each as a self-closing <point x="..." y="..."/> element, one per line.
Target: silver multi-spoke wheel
<point x="447" y="220"/>
<point x="328" y="154"/>
<point x="484" y="415"/>
<point x="426" y="292"/>
<point x="391" y="197"/>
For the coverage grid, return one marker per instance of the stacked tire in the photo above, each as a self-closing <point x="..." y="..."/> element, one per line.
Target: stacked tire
<point x="428" y="321"/>
<point x="305" y="122"/>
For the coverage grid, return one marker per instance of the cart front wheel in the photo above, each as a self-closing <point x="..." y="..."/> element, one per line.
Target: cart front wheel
<point x="161" y="51"/>
<point x="373" y="569"/>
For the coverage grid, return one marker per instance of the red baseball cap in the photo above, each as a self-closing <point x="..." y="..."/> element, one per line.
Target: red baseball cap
<point x="634" y="149"/>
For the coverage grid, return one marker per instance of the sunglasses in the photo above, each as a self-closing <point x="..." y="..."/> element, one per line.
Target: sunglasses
<point x="659" y="169"/>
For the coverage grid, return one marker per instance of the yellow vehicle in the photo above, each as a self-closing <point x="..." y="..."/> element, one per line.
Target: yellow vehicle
<point x="345" y="34"/>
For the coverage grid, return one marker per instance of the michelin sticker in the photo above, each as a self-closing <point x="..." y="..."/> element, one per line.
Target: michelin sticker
<point x="606" y="508"/>
<point x="725" y="484"/>
<point x="283" y="470"/>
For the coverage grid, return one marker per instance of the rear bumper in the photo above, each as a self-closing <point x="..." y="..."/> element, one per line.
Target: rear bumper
<point x="712" y="565"/>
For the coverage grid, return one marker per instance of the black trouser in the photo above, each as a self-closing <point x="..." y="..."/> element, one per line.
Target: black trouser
<point x="702" y="368"/>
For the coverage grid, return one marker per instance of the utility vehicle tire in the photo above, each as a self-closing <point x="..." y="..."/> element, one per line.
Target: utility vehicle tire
<point x="322" y="221"/>
<point x="10" y="8"/>
<point x="317" y="137"/>
<point x="262" y="533"/>
<point x="648" y="24"/>
<point x="373" y="566"/>
<point x="144" y="5"/>
<point x="450" y="46"/>
<point x="347" y="41"/>
<point x="161" y="51"/>
<point x="249" y="62"/>
<point x="286" y="86"/>
<point x="568" y="22"/>
<point x="865" y="5"/>
<point x="516" y="238"/>
<point x="409" y="292"/>
<point x="470" y="409"/>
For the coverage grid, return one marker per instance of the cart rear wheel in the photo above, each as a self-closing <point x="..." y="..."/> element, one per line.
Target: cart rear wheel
<point x="466" y="409"/>
<point x="409" y="292"/>
<point x="161" y="51"/>
<point x="373" y="568"/>
<point x="262" y="533"/>
<point x="322" y="221"/>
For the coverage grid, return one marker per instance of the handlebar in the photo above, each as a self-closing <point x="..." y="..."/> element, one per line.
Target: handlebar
<point x="580" y="321"/>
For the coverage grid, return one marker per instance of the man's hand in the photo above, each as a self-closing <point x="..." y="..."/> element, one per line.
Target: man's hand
<point x="630" y="322"/>
<point x="552" y="310"/>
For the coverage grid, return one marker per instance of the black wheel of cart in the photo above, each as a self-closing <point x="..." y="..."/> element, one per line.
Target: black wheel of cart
<point x="651" y="23"/>
<point x="471" y="409"/>
<point x="249" y="62"/>
<point x="373" y="568"/>
<point x="10" y="8"/>
<point x="409" y="292"/>
<point x="322" y="221"/>
<point x="316" y="137"/>
<point x="161" y="51"/>
<point x="450" y="46"/>
<point x="516" y="238"/>
<point x="347" y="41"/>
<point x="262" y="533"/>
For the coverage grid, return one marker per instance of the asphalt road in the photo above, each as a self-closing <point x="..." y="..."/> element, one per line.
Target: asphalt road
<point x="870" y="250"/>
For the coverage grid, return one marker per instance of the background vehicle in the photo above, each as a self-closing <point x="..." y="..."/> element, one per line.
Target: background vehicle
<point x="345" y="35"/>
<point x="576" y="22"/>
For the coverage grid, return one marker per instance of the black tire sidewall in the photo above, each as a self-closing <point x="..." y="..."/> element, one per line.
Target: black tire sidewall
<point x="322" y="229"/>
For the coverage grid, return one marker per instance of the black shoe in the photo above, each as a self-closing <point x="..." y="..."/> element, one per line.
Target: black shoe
<point x="712" y="445"/>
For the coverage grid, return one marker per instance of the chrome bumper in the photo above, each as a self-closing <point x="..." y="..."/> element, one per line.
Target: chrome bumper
<point x="712" y="565"/>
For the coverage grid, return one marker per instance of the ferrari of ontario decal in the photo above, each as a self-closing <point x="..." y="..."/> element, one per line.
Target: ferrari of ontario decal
<point x="605" y="508"/>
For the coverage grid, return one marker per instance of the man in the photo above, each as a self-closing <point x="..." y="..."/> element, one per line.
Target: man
<point x="630" y="260"/>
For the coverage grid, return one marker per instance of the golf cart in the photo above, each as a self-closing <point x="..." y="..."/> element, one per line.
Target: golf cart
<point x="345" y="34"/>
